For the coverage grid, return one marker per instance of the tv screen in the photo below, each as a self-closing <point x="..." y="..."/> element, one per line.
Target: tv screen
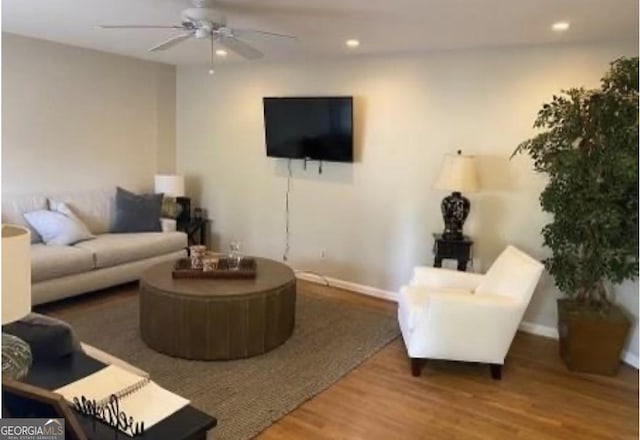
<point x="315" y="128"/>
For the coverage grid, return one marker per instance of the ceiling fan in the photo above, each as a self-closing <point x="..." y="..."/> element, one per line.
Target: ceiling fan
<point x="202" y="21"/>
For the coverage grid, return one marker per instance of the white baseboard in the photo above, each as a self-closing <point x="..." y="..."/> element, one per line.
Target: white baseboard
<point x="630" y="359"/>
<point x="347" y="285"/>
<point x="538" y="329"/>
<point x="527" y="327"/>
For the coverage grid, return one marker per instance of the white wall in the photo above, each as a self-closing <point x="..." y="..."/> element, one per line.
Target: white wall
<point x="374" y="218"/>
<point x="75" y="118"/>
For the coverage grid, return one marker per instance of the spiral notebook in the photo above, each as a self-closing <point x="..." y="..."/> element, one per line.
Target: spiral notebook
<point x="139" y="397"/>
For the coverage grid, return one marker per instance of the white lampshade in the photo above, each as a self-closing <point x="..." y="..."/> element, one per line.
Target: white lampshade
<point x="171" y="185"/>
<point x="458" y="173"/>
<point x="16" y="273"/>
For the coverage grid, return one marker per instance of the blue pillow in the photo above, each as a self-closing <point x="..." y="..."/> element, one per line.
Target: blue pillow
<point x="137" y="213"/>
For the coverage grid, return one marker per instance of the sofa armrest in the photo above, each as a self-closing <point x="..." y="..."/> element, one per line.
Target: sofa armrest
<point x="108" y="359"/>
<point x="439" y="278"/>
<point x="168" y="224"/>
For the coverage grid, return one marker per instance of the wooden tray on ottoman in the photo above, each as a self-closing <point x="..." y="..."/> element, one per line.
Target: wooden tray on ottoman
<point x="182" y="269"/>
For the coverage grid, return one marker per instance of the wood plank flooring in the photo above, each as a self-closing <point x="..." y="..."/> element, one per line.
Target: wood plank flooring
<point x="538" y="398"/>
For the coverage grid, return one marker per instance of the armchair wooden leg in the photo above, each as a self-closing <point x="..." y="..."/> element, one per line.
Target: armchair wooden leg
<point x="496" y="371"/>
<point x="416" y="366"/>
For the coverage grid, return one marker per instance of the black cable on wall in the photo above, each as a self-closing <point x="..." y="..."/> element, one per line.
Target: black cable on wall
<point x="285" y="255"/>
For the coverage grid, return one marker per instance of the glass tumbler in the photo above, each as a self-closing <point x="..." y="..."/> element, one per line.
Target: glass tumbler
<point x="234" y="255"/>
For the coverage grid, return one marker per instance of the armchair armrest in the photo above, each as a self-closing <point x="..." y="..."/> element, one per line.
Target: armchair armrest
<point x="438" y="278"/>
<point x="460" y="325"/>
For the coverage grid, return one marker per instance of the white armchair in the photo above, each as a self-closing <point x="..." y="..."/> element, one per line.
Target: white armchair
<point x="460" y="316"/>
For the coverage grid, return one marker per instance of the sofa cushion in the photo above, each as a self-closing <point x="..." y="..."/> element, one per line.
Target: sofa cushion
<point x="48" y="262"/>
<point x="95" y="208"/>
<point x="114" y="249"/>
<point x="14" y="208"/>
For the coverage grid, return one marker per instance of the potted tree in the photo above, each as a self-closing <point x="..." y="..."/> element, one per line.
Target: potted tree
<point x="589" y="150"/>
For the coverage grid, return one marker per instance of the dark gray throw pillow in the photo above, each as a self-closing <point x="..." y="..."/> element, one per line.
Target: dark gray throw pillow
<point x="49" y="338"/>
<point x="137" y="212"/>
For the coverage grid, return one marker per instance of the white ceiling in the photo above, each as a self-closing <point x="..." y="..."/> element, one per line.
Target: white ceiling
<point x="322" y="26"/>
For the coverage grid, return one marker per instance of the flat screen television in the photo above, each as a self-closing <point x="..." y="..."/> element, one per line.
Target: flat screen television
<point x="314" y="128"/>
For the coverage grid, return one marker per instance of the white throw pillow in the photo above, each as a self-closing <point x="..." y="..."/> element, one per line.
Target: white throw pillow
<point x="59" y="226"/>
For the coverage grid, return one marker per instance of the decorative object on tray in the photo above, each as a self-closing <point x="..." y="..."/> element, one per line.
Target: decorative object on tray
<point x="16" y="298"/>
<point x="225" y="268"/>
<point x="210" y="262"/>
<point x="234" y="255"/>
<point x="197" y="253"/>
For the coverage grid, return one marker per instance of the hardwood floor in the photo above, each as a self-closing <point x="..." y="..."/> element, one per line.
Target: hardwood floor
<point x="538" y="398"/>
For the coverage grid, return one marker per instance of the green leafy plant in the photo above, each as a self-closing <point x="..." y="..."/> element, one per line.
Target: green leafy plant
<point x="589" y="150"/>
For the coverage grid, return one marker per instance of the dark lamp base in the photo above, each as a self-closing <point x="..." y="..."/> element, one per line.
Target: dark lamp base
<point x="455" y="209"/>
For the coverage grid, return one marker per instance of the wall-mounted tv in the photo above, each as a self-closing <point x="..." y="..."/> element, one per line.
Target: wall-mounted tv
<point x="314" y="128"/>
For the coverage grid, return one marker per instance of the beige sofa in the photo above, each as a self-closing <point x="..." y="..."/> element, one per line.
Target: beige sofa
<point x="62" y="271"/>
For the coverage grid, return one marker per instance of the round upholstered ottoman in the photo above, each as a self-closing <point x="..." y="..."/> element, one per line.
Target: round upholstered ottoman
<point x="211" y="319"/>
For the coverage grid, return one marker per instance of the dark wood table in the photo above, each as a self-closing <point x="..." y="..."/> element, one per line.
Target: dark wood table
<point x="209" y="319"/>
<point x="188" y="423"/>
<point x="196" y="230"/>
<point x="459" y="250"/>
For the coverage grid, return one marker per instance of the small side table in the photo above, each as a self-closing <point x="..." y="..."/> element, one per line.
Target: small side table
<point x="196" y="230"/>
<point x="459" y="250"/>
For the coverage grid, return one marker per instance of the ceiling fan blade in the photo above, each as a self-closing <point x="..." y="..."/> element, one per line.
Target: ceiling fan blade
<point x="271" y="34"/>
<point x="137" y="26"/>
<point x="240" y="47"/>
<point x="172" y="42"/>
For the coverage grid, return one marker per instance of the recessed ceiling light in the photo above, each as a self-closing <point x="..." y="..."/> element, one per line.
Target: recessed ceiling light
<point x="353" y="43"/>
<point x="221" y="53"/>
<point x="560" y="26"/>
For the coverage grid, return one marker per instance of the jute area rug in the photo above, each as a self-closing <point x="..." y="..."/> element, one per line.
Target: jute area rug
<point x="246" y="396"/>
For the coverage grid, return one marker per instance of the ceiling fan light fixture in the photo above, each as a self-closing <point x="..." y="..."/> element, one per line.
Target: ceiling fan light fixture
<point x="205" y="22"/>
<point x="352" y="43"/>
<point x="560" y="26"/>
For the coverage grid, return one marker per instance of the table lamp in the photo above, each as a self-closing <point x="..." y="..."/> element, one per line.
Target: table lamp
<point x="457" y="174"/>
<point x="176" y="205"/>
<point x="16" y="297"/>
<point x="171" y="185"/>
